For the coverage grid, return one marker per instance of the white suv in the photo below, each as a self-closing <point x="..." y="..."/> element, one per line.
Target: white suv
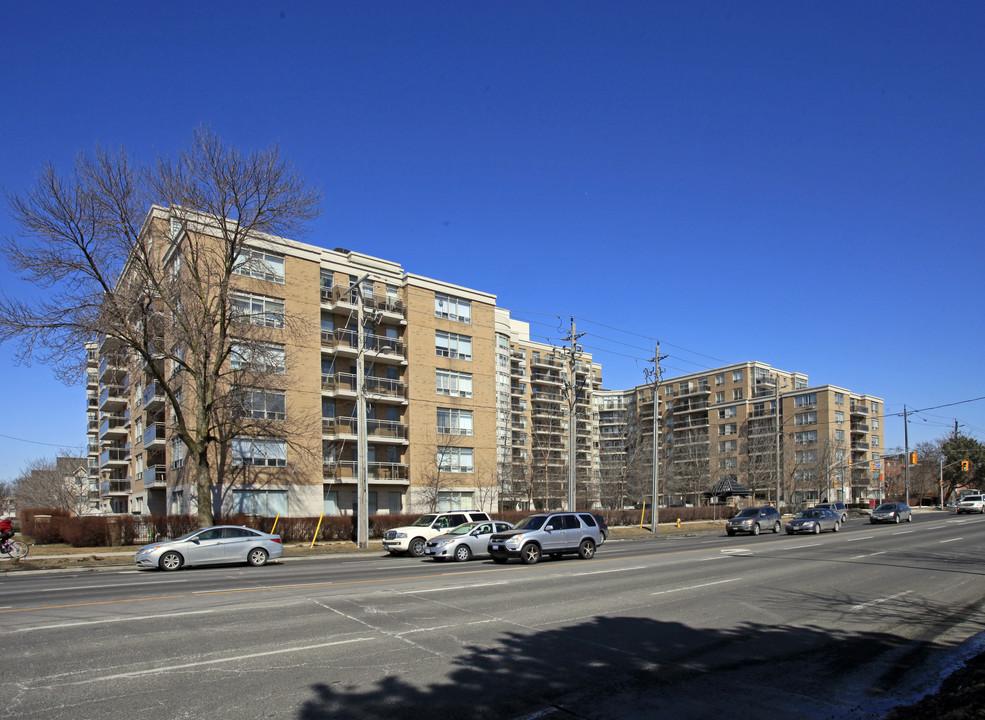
<point x="972" y="504"/>
<point x="413" y="538"/>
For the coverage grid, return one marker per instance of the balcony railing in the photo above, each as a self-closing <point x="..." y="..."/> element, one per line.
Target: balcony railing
<point x="114" y="455"/>
<point x="114" y="487"/>
<point x="375" y="471"/>
<point x="154" y="433"/>
<point x="155" y="476"/>
<point x="153" y="394"/>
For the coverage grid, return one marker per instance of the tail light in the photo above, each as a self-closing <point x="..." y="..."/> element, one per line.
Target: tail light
<point x="277" y="539"/>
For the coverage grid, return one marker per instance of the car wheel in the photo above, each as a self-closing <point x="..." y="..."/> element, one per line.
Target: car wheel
<point x="416" y="547"/>
<point x="586" y="550"/>
<point x="530" y="554"/>
<point x="462" y="553"/>
<point x="789" y="532"/>
<point x="776" y="527"/>
<point x="837" y="527"/>
<point x="499" y="560"/>
<point x="817" y="529"/>
<point x="909" y="518"/>
<point x="730" y="533"/>
<point x="755" y="529"/>
<point x="896" y="519"/>
<point x="171" y="561"/>
<point x="257" y="557"/>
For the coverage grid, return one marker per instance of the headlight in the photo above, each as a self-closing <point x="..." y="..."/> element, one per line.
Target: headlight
<point x="442" y="543"/>
<point x="810" y="523"/>
<point x="400" y="535"/>
<point x="514" y="540"/>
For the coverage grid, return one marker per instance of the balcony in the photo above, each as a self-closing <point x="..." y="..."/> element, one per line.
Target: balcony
<point x="114" y="456"/>
<point x="859" y="409"/>
<point x="859" y="445"/>
<point x="700" y="389"/>
<point x="348" y="427"/>
<point x="154" y="435"/>
<point x="155" y="477"/>
<point x="860" y="428"/>
<point x="114" y="487"/>
<point x="376" y="472"/>
<point x="112" y="397"/>
<point x="153" y="397"/>
<point x="551" y="378"/>
<point x="549" y="361"/>
<point x="113" y="425"/>
<point x="518" y="389"/>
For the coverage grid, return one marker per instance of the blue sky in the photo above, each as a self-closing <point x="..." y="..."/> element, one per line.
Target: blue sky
<point x="796" y="183"/>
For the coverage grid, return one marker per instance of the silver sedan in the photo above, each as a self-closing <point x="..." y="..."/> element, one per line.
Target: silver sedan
<point x="814" y="521"/>
<point x="465" y="541"/>
<point x="212" y="546"/>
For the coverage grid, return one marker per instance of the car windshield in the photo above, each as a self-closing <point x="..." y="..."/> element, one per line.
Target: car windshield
<point x="810" y="514"/>
<point x="531" y="522"/>
<point x="423" y="521"/>
<point x="462" y="529"/>
<point x="886" y="507"/>
<point x="748" y="512"/>
<point x="190" y="535"/>
<point x="972" y="498"/>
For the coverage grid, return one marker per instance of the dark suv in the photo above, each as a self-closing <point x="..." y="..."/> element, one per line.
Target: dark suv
<point x="753" y="520"/>
<point x="551" y="534"/>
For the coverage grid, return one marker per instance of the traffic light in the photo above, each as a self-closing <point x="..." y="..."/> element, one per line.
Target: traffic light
<point x="872" y="466"/>
<point x="965" y="466"/>
<point x="913" y="458"/>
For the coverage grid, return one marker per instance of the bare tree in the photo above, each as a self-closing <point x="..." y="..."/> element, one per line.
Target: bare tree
<point x="155" y="290"/>
<point x="8" y="496"/>
<point x="60" y="483"/>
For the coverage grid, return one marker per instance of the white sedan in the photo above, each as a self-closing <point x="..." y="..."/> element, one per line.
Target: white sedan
<point x="465" y="541"/>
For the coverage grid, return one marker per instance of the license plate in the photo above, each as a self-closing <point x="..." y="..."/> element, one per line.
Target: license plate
<point x="494" y="547"/>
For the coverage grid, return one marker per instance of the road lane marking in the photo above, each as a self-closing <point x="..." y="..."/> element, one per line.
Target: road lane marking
<point x="881" y="552"/>
<point x="695" y="587"/>
<point x="599" y="572"/>
<point x="454" y="587"/>
<point x="113" y="620"/>
<point x="237" y="658"/>
<point x="904" y="532"/>
<point x="798" y="547"/>
<point x="941" y="542"/>
<point x="855" y="539"/>
<point x="878" y="601"/>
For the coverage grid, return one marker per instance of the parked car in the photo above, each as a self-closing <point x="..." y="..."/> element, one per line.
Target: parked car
<point x="551" y="534"/>
<point x="891" y="512"/>
<point x="212" y="546"/>
<point x="754" y="520"/>
<point x="838" y="507"/>
<point x="603" y="526"/>
<point x="814" y="521"/>
<point x="413" y="538"/>
<point x="464" y="542"/>
<point x="972" y="504"/>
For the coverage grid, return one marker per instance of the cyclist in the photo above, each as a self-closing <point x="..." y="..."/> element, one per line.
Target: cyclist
<point x="6" y="530"/>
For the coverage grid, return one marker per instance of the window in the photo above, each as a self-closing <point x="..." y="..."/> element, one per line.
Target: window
<point x="839" y="398"/>
<point x="684" y="387"/>
<point x="452" y="421"/>
<point x="839" y="417"/>
<point x="448" y="501"/>
<point x="260" y="404"/>
<point x="262" y="452"/>
<point x="803" y="457"/>
<point x="175" y="227"/>
<point x="875" y="441"/>
<point x="453" y="308"/>
<point x="839" y="436"/>
<point x="455" y="460"/>
<point x="177" y="453"/>
<point x="737" y="394"/>
<point x="330" y="502"/>
<point x="451" y="345"/>
<point x="728" y="412"/>
<point x="260" y="502"/>
<point x="720" y="396"/>
<point x="805" y="400"/>
<point x="259" y="357"/>
<point x="874" y="407"/>
<point x="728" y="429"/>
<point x="719" y="379"/>
<point x="260" y="264"/>
<point x="726" y="446"/>
<point x="257" y="309"/>
<point x="805" y="418"/>
<point x="728" y="463"/>
<point x="807" y="437"/>
<point x="455" y="384"/>
<point x="736" y="376"/>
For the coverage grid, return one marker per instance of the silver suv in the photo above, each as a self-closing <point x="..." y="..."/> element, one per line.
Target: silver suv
<point x="972" y="504"/>
<point x="753" y="520"/>
<point x="551" y="534"/>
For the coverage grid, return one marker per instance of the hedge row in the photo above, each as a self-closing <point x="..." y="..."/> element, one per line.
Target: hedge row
<point x="49" y="525"/>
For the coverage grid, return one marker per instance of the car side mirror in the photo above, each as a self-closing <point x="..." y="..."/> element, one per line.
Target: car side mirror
<point x="549" y="528"/>
<point x="196" y="541"/>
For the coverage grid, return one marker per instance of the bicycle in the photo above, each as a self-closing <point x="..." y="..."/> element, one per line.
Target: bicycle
<point x="15" y="549"/>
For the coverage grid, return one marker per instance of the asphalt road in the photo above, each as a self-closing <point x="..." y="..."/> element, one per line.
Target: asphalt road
<point x="839" y="625"/>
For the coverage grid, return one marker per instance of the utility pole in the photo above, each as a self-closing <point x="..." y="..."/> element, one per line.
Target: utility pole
<point x="906" y="455"/>
<point x="655" y="505"/>
<point x="776" y="415"/>
<point x="362" y="444"/>
<point x="572" y="386"/>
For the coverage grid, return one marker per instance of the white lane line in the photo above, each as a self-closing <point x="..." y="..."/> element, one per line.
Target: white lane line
<point x="881" y="552"/>
<point x="114" y="620"/>
<point x="904" y="532"/>
<point x="798" y="547"/>
<point x="237" y="658"/>
<point x="599" y="572"/>
<point x="110" y="585"/>
<point x="941" y="542"/>
<point x="856" y="539"/>
<point x="736" y="551"/>
<point x="878" y="601"/>
<point x="695" y="587"/>
<point x="453" y="587"/>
